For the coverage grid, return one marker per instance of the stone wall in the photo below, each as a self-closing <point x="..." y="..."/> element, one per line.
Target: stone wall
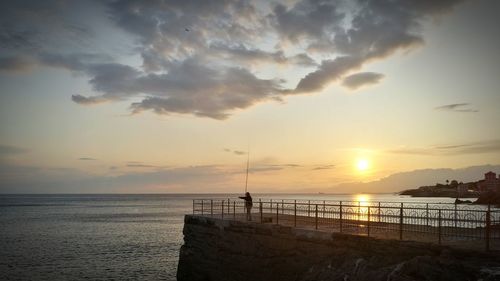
<point x="237" y="251"/>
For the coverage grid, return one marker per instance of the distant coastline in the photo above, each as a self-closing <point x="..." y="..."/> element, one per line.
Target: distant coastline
<point x="432" y="191"/>
<point x="486" y="190"/>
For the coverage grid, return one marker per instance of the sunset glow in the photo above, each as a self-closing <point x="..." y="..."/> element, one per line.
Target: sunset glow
<point x="168" y="96"/>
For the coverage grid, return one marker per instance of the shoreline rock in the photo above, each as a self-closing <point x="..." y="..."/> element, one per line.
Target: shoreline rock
<point x="489" y="198"/>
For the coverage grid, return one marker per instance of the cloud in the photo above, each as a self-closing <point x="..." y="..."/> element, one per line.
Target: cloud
<point x="212" y="70"/>
<point x="489" y="146"/>
<point x="244" y="54"/>
<point x="323" y="167"/>
<point x="271" y="167"/>
<point x="361" y="79"/>
<point x="192" y="88"/>
<point x="87" y="159"/>
<point x="264" y="169"/>
<point x="32" y="179"/>
<point x="87" y="100"/>
<point x="307" y="20"/>
<point x="32" y="26"/>
<point x="377" y="30"/>
<point x="237" y="152"/>
<point x="15" y="64"/>
<point x="456" y="107"/>
<point x="8" y="150"/>
<point x="328" y="71"/>
<point x="138" y="165"/>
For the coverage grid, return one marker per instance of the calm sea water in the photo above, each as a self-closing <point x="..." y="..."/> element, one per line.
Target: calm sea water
<point x="104" y="237"/>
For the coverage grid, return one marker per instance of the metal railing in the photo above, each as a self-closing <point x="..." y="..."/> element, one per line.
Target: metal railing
<point x="456" y="225"/>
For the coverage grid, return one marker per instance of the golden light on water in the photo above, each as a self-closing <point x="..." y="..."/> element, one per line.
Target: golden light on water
<point x="363" y="199"/>
<point x="363" y="203"/>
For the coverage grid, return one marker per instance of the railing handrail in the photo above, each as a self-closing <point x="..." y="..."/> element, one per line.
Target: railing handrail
<point x="408" y="217"/>
<point x="353" y="203"/>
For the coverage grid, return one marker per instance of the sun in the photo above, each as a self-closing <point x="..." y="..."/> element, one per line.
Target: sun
<point x="362" y="165"/>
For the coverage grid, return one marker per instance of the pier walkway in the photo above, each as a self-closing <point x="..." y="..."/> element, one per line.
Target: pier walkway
<point x="461" y="226"/>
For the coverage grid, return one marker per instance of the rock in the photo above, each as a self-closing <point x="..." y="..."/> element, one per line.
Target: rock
<point x="491" y="197"/>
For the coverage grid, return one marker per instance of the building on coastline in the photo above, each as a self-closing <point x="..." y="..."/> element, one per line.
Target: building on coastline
<point x="490" y="182"/>
<point x="465" y="188"/>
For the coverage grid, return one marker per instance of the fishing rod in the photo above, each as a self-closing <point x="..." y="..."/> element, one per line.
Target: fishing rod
<point x="248" y="162"/>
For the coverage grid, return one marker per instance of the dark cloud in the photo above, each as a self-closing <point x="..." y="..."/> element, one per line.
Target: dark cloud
<point x="208" y="71"/>
<point x="457" y="107"/>
<point x="7" y="150"/>
<point x="323" y="167"/>
<point x="237" y="152"/>
<point x="15" y="64"/>
<point x="489" y="146"/>
<point x="87" y="159"/>
<point x="87" y="100"/>
<point x="361" y="79"/>
<point x="377" y="29"/>
<point x="328" y="71"/>
<point x="33" y="26"/>
<point x="191" y="88"/>
<point x="308" y="19"/>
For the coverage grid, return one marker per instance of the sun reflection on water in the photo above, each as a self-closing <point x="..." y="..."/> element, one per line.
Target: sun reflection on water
<point x="363" y="201"/>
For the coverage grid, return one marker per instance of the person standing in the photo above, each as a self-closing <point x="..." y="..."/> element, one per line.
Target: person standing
<point x="248" y="205"/>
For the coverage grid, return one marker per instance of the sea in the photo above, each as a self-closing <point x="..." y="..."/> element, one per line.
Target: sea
<point x="110" y="236"/>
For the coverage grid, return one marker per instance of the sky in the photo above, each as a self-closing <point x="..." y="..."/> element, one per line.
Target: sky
<point x="175" y="96"/>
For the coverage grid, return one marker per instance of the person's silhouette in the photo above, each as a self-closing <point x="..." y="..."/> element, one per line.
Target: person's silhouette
<point x="248" y="205"/>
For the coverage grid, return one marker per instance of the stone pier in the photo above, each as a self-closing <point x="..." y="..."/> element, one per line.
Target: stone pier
<point x="221" y="250"/>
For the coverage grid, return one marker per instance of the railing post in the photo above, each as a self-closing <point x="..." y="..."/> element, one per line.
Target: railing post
<point x="222" y="215"/>
<point x="277" y="213"/>
<point x="324" y="208"/>
<point x="193" y="206"/>
<point x="456" y="215"/>
<point x="488" y="227"/>
<point x="234" y="210"/>
<point x="309" y="208"/>
<point x="378" y="211"/>
<point x="295" y="213"/>
<point x="282" y="206"/>
<point x="427" y="214"/>
<point x="260" y="210"/>
<point x="439" y="227"/>
<point x="401" y="222"/>
<point x="211" y="208"/>
<point x="316" y="216"/>
<point x="340" y="216"/>
<point x="271" y="206"/>
<point x="202" y="206"/>
<point x="368" y="224"/>
<point x="359" y="210"/>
